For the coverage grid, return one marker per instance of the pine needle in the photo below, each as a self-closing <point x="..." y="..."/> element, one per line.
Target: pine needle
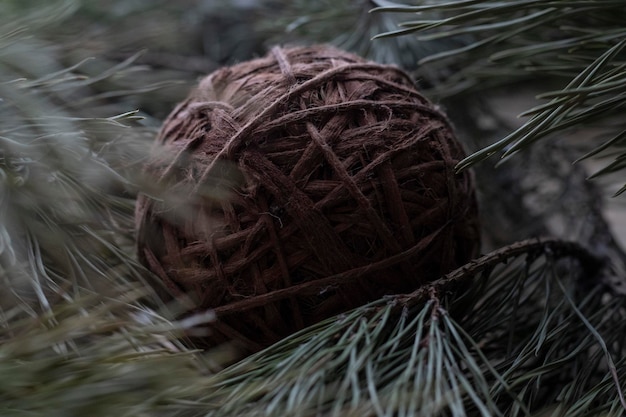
<point x="430" y="354"/>
<point x="578" y="44"/>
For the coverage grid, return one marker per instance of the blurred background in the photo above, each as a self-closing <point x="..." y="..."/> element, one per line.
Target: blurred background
<point x="85" y="85"/>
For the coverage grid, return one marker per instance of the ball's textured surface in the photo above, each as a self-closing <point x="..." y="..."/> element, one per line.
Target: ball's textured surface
<point x="316" y="182"/>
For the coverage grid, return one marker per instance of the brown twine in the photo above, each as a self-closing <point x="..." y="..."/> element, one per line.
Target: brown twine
<point x="305" y="183"/>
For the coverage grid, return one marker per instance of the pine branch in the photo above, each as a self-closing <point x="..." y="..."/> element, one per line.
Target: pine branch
<point x="433" y="353"/>
<point x="76" y="335"/>
<point x="580" y="42"/>
<point x="532" y="248"/>
<point x="97" y="356"/>
<point x="66" y="205"/>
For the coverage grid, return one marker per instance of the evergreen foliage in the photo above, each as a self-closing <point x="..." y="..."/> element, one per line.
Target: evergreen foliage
<point x="577" y="44"/>
<point x="76" y="335"/>
<point x="527" y="337"/>
<point x="534" y="328"/>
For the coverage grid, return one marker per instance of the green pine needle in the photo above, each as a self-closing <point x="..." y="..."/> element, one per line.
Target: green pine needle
<point x="527" y="337"/>
<point x="580" y="43"/>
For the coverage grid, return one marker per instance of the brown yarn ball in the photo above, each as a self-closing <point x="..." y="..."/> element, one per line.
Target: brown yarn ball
<point x="307" y="182"/>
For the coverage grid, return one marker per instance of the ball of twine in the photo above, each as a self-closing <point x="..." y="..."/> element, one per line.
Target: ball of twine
<point x="314" y="181"/>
